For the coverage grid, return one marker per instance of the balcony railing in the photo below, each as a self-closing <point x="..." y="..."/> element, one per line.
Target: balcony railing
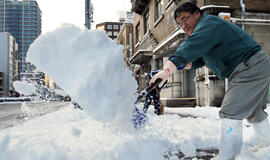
<point x="138" y="6"/>
<point x="141" y="57"/>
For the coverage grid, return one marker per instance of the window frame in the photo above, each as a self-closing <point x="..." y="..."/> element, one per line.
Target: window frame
<point x="159" y="9"/>
<point x="115" y="33"/>
<point x="109" y="26"/>
<point x="146" y="20"/>
<point x="137" y="32"/>
<point x="110" y="33"/>
<point x="115" y="27"/>
<point x="159" y="63"/>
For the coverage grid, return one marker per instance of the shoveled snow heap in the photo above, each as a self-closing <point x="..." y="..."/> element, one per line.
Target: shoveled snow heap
<point x="89" y="66"/>
<point x="24" y="88"/>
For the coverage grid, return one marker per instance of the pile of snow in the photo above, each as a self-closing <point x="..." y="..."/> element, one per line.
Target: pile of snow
<point x="70" y="134"/>
<point x="60" y="92"/>
<point x="24" y="87"/>
<point x="89" y="66"/>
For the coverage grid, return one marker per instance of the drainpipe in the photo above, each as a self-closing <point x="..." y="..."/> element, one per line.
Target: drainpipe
<point x="207" y="82"/>
<point x="226" y="16"/>
<point x="130" y="45"/>
<point x="243" y="12"/>
<point x="226" y="84"/>
<point x="23" y="58"/>
<point x="197" y="87"/>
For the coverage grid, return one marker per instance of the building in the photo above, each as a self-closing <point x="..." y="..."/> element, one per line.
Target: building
<point x="111" y="28"/>
<point x="22" y="19"/>
<point x="8" y="64"/>
<point x="89" y="11"/>
<point x="125" y="38"/>
<point x="49" y="83"/>
<point x="254" y="18"/>
<point x="156" y="37"/>
<point x="125" y="16"/>
<point x="34" y="76"/>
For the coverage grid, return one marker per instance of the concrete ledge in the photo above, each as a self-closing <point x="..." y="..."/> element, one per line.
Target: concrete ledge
<point x="178" y="102"/>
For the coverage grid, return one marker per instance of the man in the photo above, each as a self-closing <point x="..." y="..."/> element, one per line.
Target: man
<point x="231" y="53"/>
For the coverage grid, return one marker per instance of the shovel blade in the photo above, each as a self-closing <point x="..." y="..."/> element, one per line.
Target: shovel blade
<point x="139" y="118"/>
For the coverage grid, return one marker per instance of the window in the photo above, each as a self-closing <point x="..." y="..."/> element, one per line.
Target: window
<point x="159" y="62"/>
<point x="115" y="27"/>
<point x="115" y="33"/>
<point x="121" y="26"/>
<point x="109" y="33"/>
<point x="138" y="38"/>
<point x="109" y="26"/>
<point x="159" y="9"/>
<point x="146" y="22"/>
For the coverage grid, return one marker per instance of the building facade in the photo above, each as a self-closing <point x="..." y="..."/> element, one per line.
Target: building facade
<point x="111" y="28"/>
<point x="22" y="19"/>
<point x="125" y="38"/>
<point x="156" y="37"/>
<point x="34" y="76"/>
<point x="8" y="64"/>
<point x="125" y="16"/>
<point x="49" y="83"/>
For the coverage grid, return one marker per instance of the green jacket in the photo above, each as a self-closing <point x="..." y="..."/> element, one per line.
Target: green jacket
<point x="216" y="43"/>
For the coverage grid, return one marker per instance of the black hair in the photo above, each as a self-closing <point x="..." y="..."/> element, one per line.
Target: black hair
<point x="186" y="7"/>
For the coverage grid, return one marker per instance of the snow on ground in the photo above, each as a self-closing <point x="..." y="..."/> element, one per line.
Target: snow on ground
<point x="71" y="133"/>
<point x="90" y="68"/>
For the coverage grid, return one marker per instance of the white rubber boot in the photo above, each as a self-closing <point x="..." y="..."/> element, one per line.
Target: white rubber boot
<point x="231" y="138"/>
<point x="262" y="133"/>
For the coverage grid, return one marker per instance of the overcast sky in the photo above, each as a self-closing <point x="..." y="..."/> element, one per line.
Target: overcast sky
<point x="57" y="12"/>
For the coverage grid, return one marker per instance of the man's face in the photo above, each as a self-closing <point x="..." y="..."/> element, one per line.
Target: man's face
<point x="188" y="21"/>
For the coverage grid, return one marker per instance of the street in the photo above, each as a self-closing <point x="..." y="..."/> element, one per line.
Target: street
<point x="16" y="113"/>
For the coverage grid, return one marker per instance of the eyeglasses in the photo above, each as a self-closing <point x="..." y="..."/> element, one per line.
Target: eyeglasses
<point x="184" y="20"/>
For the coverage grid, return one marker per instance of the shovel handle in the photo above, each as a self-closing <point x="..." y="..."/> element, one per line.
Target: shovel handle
<point x="152" y="85"/>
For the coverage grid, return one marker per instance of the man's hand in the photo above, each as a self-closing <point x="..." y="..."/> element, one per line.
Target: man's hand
<point x="188" y="66"/>
<point x="164" y="74"/>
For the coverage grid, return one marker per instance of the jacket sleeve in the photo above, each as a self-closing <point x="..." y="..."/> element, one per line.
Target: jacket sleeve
<point x="207" y="35"/>
<point x="198" y="63"/>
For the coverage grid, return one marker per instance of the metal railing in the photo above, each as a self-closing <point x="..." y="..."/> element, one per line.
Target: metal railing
<point x="251" y="21"/>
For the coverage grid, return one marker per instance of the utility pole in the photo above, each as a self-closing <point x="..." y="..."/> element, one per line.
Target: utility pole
<point x="4" y="15"/>
<point x="23" y="58"/>
<point x="88" y="14"/>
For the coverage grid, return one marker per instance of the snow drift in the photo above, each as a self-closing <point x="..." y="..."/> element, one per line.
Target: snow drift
<point x="24" y="88"/>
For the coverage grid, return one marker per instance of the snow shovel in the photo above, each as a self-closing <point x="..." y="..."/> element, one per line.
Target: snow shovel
<point x="139" y="117"/>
